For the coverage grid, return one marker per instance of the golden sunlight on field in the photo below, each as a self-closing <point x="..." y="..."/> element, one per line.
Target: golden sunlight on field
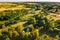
<point x="29" y="21"/>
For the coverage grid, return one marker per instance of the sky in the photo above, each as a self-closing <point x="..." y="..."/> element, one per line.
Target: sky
<point x="29" y="0"/>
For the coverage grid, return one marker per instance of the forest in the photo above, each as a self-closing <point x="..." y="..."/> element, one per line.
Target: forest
<point x="29" y="21"/>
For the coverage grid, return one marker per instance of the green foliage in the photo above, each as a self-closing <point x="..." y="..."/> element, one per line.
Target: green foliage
<point x="34" y="28"/>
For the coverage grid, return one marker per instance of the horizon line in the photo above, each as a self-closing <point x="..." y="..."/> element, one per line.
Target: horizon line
<point x="29" y="1"/>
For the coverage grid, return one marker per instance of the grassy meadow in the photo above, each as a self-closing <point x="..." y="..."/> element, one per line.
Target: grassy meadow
<point x="29" y="21"/>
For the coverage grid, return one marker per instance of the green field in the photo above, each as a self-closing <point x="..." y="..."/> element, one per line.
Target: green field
<point x="29" y="21"/>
